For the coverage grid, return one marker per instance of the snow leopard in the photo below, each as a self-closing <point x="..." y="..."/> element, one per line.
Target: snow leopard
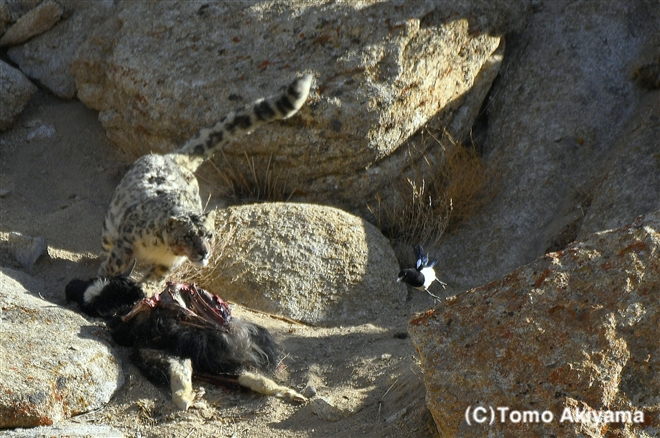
<point x="156" y="215"/>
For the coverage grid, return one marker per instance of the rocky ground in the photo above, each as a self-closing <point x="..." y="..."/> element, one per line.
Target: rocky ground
<point x="58" y="174"/>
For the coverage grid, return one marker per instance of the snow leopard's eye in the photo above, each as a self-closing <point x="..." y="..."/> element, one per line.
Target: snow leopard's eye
<point x="187" y="239"/>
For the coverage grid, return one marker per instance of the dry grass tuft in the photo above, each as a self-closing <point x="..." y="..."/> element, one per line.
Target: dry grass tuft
<point x="441" y="194"/>
<point x="260" y="183"/>
<point x="467" y="189"/>
<point x="423" y="219"/>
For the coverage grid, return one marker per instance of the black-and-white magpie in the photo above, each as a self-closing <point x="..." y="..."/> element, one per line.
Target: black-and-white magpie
<point x="422" y="275"/>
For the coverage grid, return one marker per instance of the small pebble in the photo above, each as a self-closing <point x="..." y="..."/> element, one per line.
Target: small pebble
<point x="309" y="391"/>
<point x="42" y="132"/>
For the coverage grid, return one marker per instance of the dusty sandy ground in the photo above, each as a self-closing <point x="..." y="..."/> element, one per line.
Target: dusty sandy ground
<point x="59" y="183"/>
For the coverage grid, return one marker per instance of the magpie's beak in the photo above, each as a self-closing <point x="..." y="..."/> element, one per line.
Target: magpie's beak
<point x="399" y="279"/>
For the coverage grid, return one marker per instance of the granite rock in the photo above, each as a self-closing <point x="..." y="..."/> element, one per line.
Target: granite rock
<point x="575" y="331"/>
<point x="311" y="263"/>
<point x="54" y="364"/>
<point x="15" y="91"/>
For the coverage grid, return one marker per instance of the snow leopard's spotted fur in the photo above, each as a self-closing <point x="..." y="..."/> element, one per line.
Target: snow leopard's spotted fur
<point x="156" y="214"/>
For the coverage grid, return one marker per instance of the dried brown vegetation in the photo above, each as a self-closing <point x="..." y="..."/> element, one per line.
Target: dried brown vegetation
<point x="435" y="200"/>
<point x="261" y="182"/>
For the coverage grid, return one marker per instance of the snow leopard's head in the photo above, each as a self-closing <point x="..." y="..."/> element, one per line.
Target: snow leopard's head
<point x="192" y="236"/>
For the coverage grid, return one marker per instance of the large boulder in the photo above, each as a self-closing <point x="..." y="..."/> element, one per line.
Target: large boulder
<point x="53" y="363"/>
<point x="15" y="92"/>
<point x="34" y="22"/>
<point x="47" y="57"/>
<point x="570" y="139"/>
<point x="630" y="180"/>
<point x="158" y="72"/>
<point x="311" y="263"/>
<point x="576" y="331"/>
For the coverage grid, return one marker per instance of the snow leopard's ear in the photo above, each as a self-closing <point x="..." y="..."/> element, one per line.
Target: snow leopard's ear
<point x="209" y="219"/>
<point x="172" y="222"/>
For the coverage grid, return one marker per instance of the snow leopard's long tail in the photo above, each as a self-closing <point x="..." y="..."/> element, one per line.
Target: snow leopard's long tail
<point x="240" y="122"/>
